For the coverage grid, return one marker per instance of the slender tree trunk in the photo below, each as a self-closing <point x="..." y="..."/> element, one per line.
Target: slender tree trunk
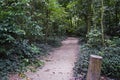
<point x="89" y="16"/>
<point x="102" y="25"/>
<point x="88" y="24"/>
<point x="93" y="14"/>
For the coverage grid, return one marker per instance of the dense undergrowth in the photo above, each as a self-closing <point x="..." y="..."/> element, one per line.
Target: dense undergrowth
<point x="28" y="30"/>
<point x="24" y="54"/>
<point x="110" y="54"/>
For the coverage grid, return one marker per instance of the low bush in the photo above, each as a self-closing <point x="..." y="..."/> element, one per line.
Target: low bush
<point x="81" y="65"/>
<point x="110" y="63"/>
<point x="55" y="41"/>
<point x="23" y="54"/>
<point x="110" y="54"/>
<point x="18" y="57"/>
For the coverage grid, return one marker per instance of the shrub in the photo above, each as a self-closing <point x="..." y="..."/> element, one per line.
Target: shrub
<point x="18" y="57"/>
<point x="81" y="65"/>
<point x="110" y="63"/>
<point x="55" y="41"/>
<point x="94" y="38"/>
<point x="110" y="54"/>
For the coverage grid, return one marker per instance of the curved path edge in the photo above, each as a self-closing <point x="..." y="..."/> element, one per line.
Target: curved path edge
<point x="59" y="65"/>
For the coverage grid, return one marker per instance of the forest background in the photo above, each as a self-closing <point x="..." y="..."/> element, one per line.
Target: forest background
<point x="29" y="27"/>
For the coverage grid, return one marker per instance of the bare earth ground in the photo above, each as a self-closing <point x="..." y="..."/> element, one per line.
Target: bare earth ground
<point x="59" y="65"/>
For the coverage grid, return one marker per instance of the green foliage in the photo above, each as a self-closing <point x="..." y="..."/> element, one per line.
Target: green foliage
<point x="110" y="63"/>
<point x="27" y="25"/>
<point x="24" y="26"/>
<point x="112" y="17"/>
<point x="116" y="41"/>
<point x="81" y="65"/>
<point x="100" y="22"/>
<point x="18" y="58"/>
<point x="55" y="41"/>
<point x="94" y="38"/>
<point x="110" y="54"/>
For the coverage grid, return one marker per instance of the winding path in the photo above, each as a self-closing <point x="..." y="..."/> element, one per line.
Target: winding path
<point x="59" y="65"/>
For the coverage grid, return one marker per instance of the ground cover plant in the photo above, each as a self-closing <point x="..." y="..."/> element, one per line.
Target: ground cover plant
<point x="110" y="54"/>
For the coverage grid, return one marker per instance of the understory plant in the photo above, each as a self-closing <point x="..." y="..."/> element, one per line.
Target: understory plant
<point x="18" y="58"/>
<point x="110" y="54"/>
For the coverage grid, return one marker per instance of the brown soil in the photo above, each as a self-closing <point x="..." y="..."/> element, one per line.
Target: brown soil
<point x="59" y="65"/>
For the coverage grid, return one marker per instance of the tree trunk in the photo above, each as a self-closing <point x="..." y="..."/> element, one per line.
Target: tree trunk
<point x="102" y="25"/>
<point x="89" y="18"/>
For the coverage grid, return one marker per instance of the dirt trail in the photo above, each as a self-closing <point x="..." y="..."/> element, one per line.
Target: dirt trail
<point x="59" y="65"/>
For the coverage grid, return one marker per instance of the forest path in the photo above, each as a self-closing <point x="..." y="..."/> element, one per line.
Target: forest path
<point x="59" y="65"/>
